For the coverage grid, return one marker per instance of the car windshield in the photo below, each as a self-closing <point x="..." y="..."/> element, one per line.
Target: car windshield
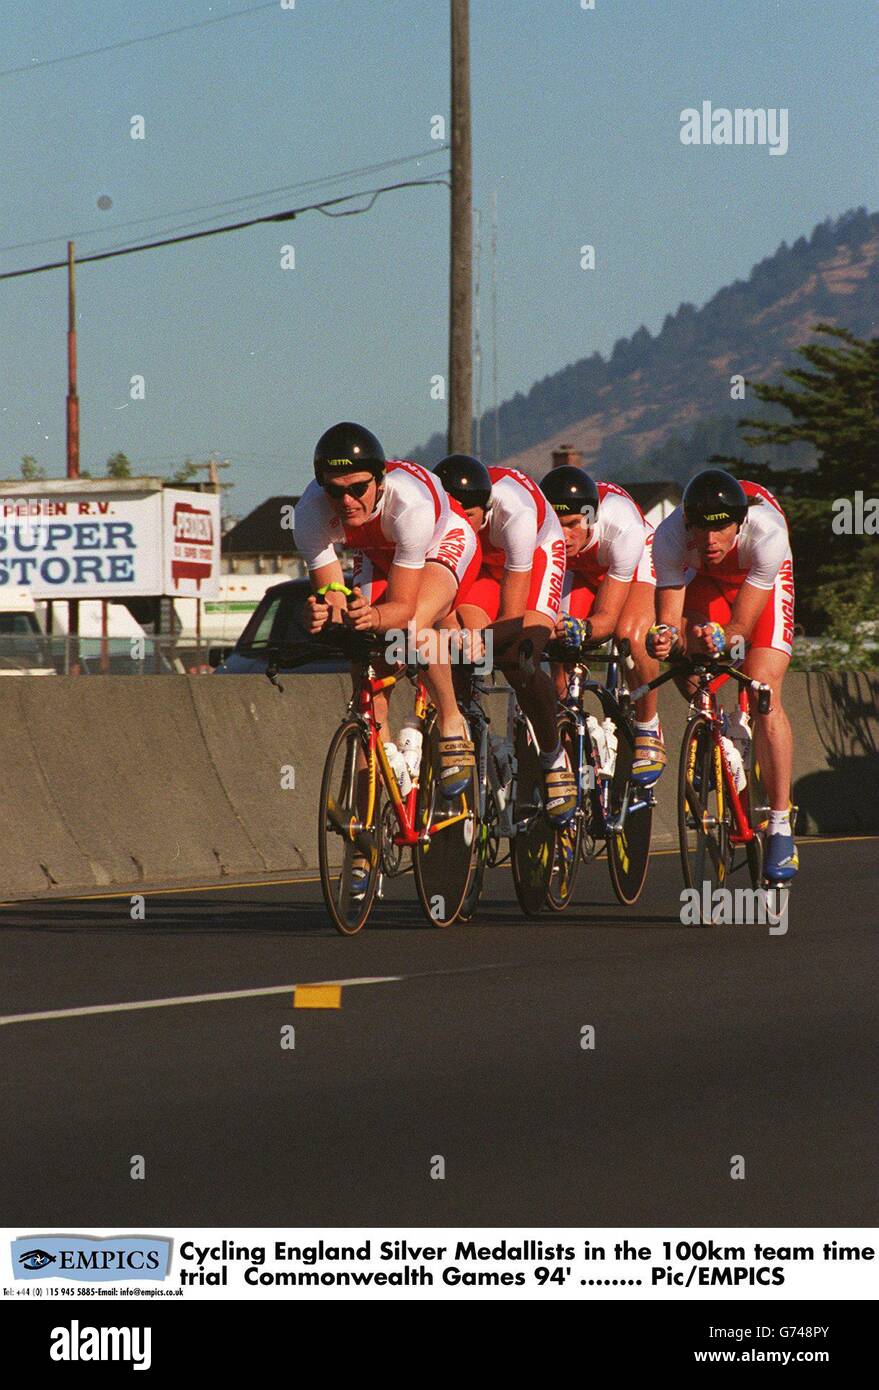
<point x="259" y="629"/>
<point x="279" y="618"/>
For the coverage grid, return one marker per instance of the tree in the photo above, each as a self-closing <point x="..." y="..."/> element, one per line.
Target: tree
<point x="834" y="408"/>
<point x="185" y="473"/>
<point x="31" y="470"/>
<point x="118" y="466"/>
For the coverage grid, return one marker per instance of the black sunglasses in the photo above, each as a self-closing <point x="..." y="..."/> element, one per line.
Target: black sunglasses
<point x="339" y="490"/>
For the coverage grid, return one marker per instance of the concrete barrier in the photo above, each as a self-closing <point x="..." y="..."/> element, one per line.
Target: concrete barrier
<point x="132" y="777"/>
<point x="268" y="747"/>
<point x="138" y="780"/>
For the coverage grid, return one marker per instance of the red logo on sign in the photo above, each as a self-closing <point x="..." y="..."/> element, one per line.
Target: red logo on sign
<point x="193" y="543"/>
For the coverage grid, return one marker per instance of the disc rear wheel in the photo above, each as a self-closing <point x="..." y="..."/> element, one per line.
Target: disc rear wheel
<point x="444" y="858"/>
<point x="628" y="851"/>
<point x="568" y="840"/>
<point x="533" y="846"/>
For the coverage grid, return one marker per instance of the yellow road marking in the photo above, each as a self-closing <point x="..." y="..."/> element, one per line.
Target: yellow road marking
<point x="173" y="891"/>
<point x="317" y="997"/>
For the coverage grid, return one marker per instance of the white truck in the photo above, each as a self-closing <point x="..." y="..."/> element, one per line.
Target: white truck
<point x="224" y="618"/>
<point x="27" y="649"/>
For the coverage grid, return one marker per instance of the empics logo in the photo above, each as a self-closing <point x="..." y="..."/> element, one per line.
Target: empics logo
<point x="75" y="1343"/>
<point x="92" y="1259"/>
<point x="35" y="1259"/>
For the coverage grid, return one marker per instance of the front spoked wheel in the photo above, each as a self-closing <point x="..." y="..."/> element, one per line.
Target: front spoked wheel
<point x="349" y="829"/>
<point x="628" y="850"/>
<point x="445" y="855"/>
<point x="703" y="815"/>
<point x="533" y="846"/>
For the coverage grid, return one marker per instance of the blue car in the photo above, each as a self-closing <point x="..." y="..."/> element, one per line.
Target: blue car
<point x="278" y="620"/>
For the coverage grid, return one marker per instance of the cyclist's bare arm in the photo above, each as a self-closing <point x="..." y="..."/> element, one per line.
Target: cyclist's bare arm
<point x="670" y="613"/>
<point x="397" y="607"/>
<point x="747" y="607"/>
<point x="514" y="594"/>
<point x="608" y="606"/>
<point x="319" y="613"/>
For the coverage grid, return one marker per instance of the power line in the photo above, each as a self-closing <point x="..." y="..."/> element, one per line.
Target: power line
<point x="144" y="38"/>
<point x="237" y="202"/>
<point x="287" y="216"/>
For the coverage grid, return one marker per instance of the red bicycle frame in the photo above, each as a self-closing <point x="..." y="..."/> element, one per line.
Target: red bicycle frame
<point x="405" y="809"/>
<point x="744" y="833"/>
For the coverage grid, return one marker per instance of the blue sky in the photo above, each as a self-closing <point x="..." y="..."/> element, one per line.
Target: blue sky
<point x="576" y="118"/>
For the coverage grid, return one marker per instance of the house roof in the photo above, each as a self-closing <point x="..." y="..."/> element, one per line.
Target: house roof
<point x="261" y="532"/>
<point x="648" y="495"/>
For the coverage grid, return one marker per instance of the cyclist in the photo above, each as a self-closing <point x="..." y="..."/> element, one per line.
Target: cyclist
<point x="516" y="595"/>
<point x="724" y="577"/>
<point x="610" y="582"/>
<point x="414" y="552"/>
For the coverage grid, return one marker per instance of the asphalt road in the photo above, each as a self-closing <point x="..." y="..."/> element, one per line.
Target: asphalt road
<point x="709" y="1043"/>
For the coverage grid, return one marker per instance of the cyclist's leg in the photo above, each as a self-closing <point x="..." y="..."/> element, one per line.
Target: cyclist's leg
<point x="768" y="661"/>
<point x="373" y="584"/>
<point x="650" y="756"/>
<point x="534" y="687"/>
<point x="435" y="601"/>
<point x="450" y="571"/>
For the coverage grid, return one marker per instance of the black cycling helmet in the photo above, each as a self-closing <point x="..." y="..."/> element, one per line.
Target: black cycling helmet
<point x="714" y="499"/>
<point x="466" y="479"/>
<point x="571" y="490"/>
<point x="346" y="447"/>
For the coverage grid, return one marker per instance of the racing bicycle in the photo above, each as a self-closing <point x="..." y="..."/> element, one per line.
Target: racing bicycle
<point x="611" y="809"/>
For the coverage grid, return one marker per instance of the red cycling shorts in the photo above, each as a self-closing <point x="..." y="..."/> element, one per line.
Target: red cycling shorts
<point x="457" y="550"/>
<point x="544" y="592"/>
<point x="708" y="599"/>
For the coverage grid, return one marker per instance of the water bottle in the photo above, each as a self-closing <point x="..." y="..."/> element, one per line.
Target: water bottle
<point x="610" y="738"/>
<point x="410" y="745"/>
<point x="504" y="759"/>
<point x="736" y="764"/>
<point x="737" y="726"/>
<point x="399" y="768"/>
<point x="597" y="735"/>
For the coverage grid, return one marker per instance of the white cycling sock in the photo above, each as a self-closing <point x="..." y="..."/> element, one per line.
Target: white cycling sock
<point x="779" y="823"/>
<point x="648" y="726"/>
<point x="550" y="762"/>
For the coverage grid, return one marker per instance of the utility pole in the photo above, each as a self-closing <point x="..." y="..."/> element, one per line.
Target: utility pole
<point x="477" y="337"/>
<point x="73" y="448"/>
<point x="72" y="397"/>
<point x="461" y="246"/>
<point x="496" y="452"/>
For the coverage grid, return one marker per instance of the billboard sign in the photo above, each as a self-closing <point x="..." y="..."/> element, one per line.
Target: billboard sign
<point x="192" y="543"/>
<point x="94" y="544"/>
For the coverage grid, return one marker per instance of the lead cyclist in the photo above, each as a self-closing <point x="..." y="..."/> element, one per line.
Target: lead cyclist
<point x="724" y="575"/>
<point x="414" y="552"/>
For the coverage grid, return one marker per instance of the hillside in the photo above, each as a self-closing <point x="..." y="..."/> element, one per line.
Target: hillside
<point x="660" y="405"/>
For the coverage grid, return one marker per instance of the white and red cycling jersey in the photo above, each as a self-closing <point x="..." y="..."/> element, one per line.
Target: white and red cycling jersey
<point x="521" y="534"/>
<point x="761" y="556"/>
<point x="414" y="521"/>
<point x="760" y="548"/>
<point x="620" y="546"/>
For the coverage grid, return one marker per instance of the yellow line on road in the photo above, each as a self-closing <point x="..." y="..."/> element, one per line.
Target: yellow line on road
<point x="173" y="891"/>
